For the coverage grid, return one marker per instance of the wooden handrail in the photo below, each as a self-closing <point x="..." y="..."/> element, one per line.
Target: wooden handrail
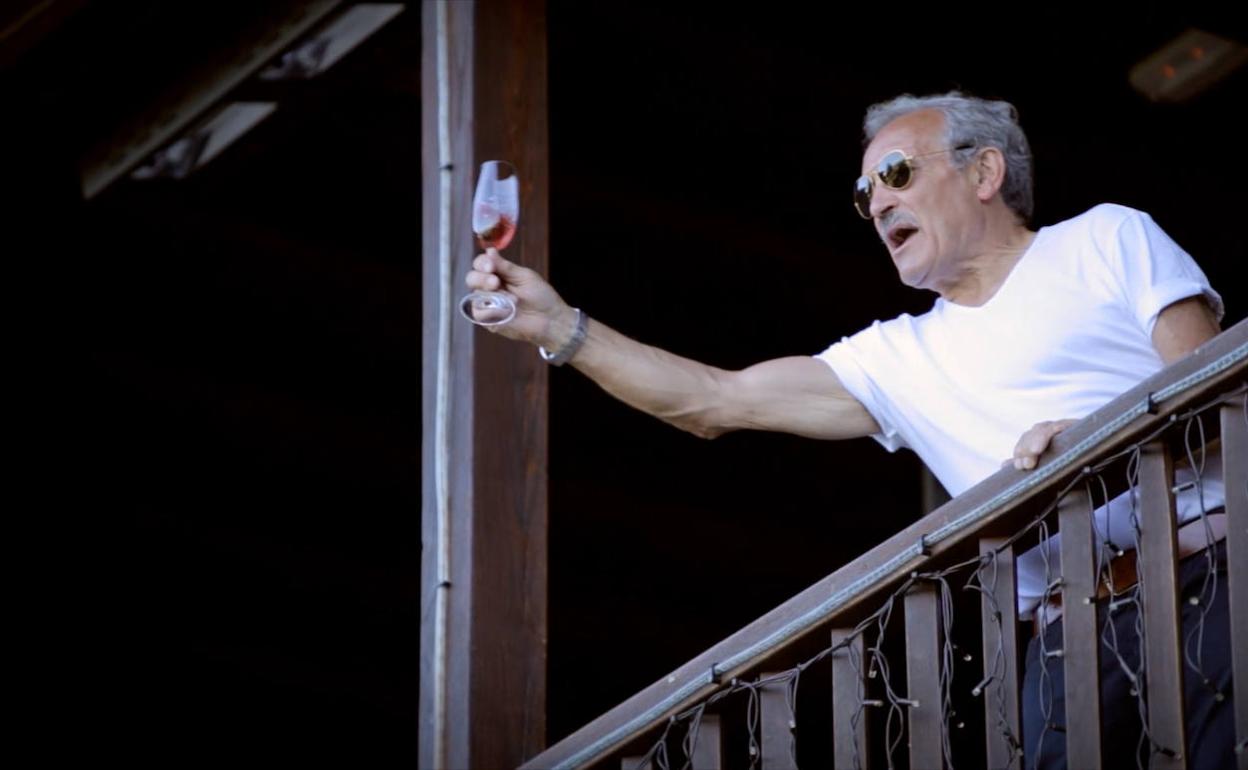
<point x="991" y="508"/>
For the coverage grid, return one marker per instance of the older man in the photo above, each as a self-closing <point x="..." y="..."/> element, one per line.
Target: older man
<point x="1030" y="330"/>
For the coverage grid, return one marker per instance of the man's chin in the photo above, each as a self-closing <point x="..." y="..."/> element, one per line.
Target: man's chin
<point x="911" y="278"/>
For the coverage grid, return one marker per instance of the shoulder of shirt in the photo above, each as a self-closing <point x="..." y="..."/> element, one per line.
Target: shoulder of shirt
<point x="904" y="325"/>
<point x="1101" y="227"/>
<point x="1102" y="215"/>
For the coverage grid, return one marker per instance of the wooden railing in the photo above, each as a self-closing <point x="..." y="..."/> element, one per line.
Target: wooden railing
<point x="736" y="703"/>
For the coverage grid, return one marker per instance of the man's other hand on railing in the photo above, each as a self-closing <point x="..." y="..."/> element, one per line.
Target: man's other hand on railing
<point x="1033" y="443"/>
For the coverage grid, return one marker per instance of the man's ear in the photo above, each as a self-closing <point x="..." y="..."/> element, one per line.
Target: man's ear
<point x="989" y="173"/>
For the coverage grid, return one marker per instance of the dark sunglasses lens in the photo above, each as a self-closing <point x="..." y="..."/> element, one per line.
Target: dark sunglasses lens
<point x="894" y="170"/>
<point x="862" y="196"/>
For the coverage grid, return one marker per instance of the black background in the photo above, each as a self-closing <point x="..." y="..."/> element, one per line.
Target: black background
<point x="225" y="554"/>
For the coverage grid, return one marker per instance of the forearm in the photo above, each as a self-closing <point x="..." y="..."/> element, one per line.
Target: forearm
<point x="677" y="390"/>
<point x="797" y="395"/>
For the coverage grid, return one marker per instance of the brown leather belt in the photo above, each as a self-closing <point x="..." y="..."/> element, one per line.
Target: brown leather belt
<point x="1191" y="538"/>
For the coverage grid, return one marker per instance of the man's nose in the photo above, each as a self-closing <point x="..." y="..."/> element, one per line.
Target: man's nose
<point x="883" y="200"/>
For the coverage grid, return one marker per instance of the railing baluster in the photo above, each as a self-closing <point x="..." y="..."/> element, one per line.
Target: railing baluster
<point x="1159" y="580"/>
<point x="1080" y="651"/>
<point x="708" y="752"/>
<point x="923" y="677"/>
<point x="1000" y="634"/>
<point x="1235" y="473"/>
<point x="631" y="763"/>
<point x="776" y="725"/>
<point x="849" y="726"/>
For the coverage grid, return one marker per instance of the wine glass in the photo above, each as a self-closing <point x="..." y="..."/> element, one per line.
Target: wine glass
<point x="495" y="214"/>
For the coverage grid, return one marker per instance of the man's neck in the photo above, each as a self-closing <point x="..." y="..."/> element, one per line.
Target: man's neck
<point x="983" y="275"/>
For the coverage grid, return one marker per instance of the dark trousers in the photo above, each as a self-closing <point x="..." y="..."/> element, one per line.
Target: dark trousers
<point x="1210" y="724"/>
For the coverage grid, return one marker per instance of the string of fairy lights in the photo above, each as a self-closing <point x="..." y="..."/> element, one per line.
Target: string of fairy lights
<point x="982" y="576"/>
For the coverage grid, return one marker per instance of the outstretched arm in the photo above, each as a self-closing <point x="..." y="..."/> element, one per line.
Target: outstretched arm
<point x="799" y="395"/>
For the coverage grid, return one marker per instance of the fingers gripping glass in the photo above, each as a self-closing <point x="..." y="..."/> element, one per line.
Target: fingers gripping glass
<point x="895" y="171"/>
<point x="495" y="214"/>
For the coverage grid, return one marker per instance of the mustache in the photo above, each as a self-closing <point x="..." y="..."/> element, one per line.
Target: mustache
<point x="892" y="219"/>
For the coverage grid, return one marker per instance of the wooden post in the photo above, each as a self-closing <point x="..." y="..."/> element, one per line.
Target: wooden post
<point x="1158" y="565"/>
<point x="923" y="664"/>
<point x="1235" y="470"/>
<point x="708" y="751"/>
<point x="484" y="517"/>
<point x="776" y="725"/>
<point x="1000" y="635"/>
<point x="849" y="723"/>
<point x="1080" y="640"/>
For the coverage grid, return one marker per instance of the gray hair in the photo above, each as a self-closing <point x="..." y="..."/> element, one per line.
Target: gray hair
<point x="970" y="120"/>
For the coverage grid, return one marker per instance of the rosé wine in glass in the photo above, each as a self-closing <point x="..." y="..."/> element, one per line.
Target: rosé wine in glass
<point x="494" y="230"/>
<point x="495" y="215"/>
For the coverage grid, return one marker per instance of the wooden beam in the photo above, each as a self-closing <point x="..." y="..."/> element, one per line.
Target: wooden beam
<point x="29" y="22"/>
<point x="130" y="144"/>
<point x="483" y="613"/>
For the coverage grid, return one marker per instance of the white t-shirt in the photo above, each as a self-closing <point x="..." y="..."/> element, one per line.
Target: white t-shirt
<point x="1069" y="329"/>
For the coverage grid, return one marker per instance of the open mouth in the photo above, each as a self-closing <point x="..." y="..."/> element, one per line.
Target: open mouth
<point x="898" y="235"/>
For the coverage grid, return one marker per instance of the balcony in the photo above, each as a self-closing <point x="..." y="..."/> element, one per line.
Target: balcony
<point x="911" y="654"/>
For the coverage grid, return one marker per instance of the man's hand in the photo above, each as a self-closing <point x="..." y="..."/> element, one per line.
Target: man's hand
<point x="542" y="317"/>
<point x="1033" y="443"/>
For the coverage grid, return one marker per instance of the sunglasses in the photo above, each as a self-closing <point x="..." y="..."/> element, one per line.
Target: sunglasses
<point x="895" y="171"/>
